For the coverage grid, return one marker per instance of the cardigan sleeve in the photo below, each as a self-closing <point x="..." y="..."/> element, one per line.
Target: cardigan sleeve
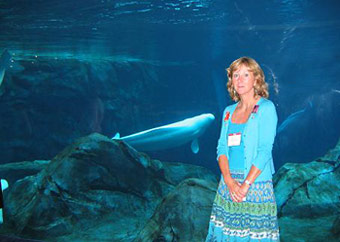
<point x="266" y="135"/>
<point x="222" y="141"/>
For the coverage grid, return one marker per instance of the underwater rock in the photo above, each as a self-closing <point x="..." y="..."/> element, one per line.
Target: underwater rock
<point x="308" y="197"/>
<point x="18" y="170"/>
<point x="5" y="238"/>
<point x="336" y="227"/>
<point x="52" y="102"/>
<point x="96" y="189"/>
<point x="175" y="172"/>
<point x="183" y="215"/>
<point x="332" y="155"/>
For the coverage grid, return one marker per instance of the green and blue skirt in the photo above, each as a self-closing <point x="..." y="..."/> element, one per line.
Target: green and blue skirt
<point x="255" y="219"/>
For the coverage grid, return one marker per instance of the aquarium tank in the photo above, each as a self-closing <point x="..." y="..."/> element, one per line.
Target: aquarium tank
<point x="110" y="112"/>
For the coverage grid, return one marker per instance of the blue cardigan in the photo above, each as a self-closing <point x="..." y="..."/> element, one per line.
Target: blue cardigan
<point x="258" y="137"/>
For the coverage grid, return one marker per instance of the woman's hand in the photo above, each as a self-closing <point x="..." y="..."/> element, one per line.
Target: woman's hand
<point x="234" y="189"/>
<point x="244" y="188"/>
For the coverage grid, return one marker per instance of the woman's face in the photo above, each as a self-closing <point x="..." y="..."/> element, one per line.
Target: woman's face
<point x="243" y="80"/>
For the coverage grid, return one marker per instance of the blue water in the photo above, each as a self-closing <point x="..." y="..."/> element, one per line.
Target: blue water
<point x="189" y="44"/>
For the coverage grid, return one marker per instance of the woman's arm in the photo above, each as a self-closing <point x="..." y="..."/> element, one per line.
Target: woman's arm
<point x="251" y="177"/>
<point x="222" y="142"/>
<point x="222" y="156"/>
<point x="224" y="167"/>
<point x="232" y="184"/>
<point x="266" y="136"/>
<point x="223" y="162"/>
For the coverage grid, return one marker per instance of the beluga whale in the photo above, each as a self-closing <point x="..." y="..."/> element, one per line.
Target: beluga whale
<point x="170" y="135"/>
<point x="293" y="117"/>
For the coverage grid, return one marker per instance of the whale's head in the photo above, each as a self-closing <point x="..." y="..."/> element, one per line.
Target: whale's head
<point x="207" y="117"/>
<point x="203" y="121"/>
<point x="200" y="122"/>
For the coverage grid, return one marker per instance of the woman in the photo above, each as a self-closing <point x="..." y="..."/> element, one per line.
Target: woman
<point x="244" y="208"/>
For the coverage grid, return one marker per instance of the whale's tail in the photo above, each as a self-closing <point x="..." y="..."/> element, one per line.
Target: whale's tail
<point x="117" y="136"/>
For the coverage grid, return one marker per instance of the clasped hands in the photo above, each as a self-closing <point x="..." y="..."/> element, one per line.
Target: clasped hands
<point x="237" y="191"/>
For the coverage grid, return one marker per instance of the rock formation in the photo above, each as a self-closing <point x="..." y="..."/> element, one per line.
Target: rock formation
<point x="308" y="198"/>
<point x="99" y="189"/>
<point x="51" y="102"/>
<point x="183" y="215"/>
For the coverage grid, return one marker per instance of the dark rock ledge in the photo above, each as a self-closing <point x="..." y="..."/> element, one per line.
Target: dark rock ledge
<point x="99" y="189"/>
<point x="308" y="198"/>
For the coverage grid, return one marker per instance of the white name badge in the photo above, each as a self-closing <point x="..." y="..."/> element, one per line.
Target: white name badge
<point x="234" y="139"/>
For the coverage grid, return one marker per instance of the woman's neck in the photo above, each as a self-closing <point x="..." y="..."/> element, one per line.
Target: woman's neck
<point x="248" y="101"/>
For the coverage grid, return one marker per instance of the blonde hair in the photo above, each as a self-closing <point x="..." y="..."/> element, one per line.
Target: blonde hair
<point x="260" y="87"/>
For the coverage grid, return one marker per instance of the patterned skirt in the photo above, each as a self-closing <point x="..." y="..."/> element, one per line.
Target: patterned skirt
<point x="252" y="220"/>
